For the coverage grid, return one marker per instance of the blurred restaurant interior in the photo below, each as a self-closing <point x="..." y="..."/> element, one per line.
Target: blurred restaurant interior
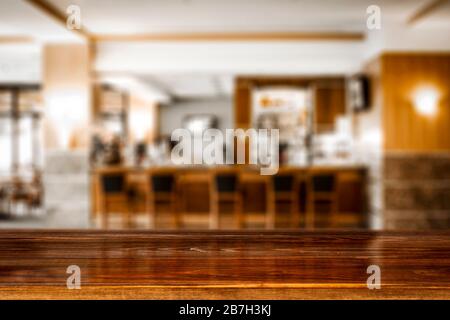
<point x="87" y="112"/>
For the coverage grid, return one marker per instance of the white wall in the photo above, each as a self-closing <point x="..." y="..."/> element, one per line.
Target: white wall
<point x="228" y="57"/>
<point x="20" y="63"/>
<point x="401" y="38"/>
<point x="171" y="116"/>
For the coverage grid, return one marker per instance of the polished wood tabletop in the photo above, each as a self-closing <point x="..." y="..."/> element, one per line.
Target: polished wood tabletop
<point x="223" y="265"/>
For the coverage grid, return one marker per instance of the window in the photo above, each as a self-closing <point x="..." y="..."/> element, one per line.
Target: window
<point x="20" y="136"/>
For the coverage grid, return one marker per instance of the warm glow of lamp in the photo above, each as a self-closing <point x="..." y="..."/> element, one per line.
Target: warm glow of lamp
<point x="426" y="101"/>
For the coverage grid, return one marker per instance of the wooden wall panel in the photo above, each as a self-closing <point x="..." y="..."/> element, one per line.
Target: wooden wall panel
<point x="242" y="104"/>
<point x="330" y="103"/>
<point x="405" y="129"/>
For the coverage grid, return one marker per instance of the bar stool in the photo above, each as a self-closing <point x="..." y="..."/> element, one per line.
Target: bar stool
<point x="322" y="188"/>
<point x="283" y="187"/>
<point x="250" y="180"/>
<point x="225" y="187"/>
<point x="113" y="192"/>
<point x="162" y="188"/>
<point x="3" y="201"/>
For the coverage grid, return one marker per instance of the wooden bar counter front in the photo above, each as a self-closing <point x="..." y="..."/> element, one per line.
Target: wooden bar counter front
<point x="223" y="265"/>
<point x="307" y="197"/>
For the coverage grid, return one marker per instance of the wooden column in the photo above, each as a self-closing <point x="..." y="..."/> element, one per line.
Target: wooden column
<point x="67" y="95"/>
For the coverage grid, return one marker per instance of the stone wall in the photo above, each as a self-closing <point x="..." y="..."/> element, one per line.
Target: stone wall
<point x="416" y="191"/>
<point x="66" y="185"/>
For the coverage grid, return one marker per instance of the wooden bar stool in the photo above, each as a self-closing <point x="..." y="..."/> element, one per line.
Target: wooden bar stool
<point x="283" y="187"/>
<point x="322" y="188"/>
<point x="4" y="201"/>
<point x="250" y="180"/>
<point x="113" y="193"/>
<point x="162" y="188"/>
<point x="225" y="187"/>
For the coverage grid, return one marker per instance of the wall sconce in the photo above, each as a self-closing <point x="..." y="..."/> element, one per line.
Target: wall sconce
<point x="426" y="101"/>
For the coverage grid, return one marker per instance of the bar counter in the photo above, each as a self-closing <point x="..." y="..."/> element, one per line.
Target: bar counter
<point x="223" y="265"/>
<point x="257" y="191"/>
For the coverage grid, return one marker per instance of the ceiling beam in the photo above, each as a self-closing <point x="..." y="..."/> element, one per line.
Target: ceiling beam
<point x="426" y="10"/>
<point x="15" y="39"/>
<point x="234" y="36"/>
<point x="53" y="12"/>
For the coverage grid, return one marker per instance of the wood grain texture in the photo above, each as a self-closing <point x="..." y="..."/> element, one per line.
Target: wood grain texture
<point x="231" y="265"/>
<point x="404" y="129"/>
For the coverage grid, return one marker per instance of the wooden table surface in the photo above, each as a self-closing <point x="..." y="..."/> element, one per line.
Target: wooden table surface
<point x="223" y="265"/>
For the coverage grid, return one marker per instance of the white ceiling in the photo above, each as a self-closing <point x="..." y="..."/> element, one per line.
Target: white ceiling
<point x="192" y="85"/>
<point x="199" y="69"/>
<point x="146" y="16"/>
<point x="437" y="19"/>
<point x="19" y="18"/>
